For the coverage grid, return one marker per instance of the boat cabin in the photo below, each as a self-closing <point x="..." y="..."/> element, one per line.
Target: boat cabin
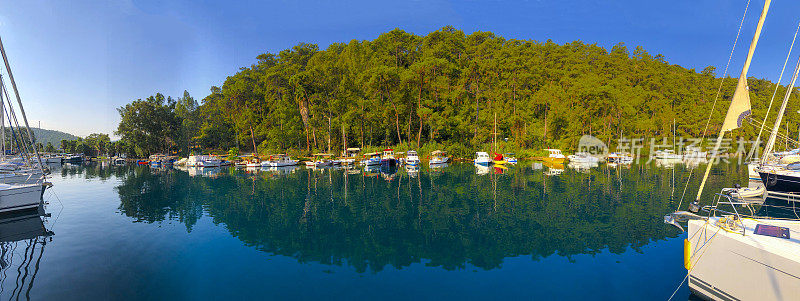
<point x="351" y="152"/>
<point x="555" y="153"/>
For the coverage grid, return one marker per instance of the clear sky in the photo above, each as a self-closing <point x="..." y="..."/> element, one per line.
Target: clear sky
<point x="76" y="61"/>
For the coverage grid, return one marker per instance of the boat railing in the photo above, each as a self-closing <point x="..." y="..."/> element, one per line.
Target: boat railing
<point x="735" y="223"/>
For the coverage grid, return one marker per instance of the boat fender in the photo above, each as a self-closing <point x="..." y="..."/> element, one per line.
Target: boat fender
<point x="687" y="254"/>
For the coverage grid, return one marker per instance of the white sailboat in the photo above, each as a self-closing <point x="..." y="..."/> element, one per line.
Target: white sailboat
<point x="730" y="255"/>
<point x="23" y="178"/>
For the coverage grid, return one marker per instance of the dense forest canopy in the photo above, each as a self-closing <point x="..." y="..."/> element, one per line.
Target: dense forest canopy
<point x="448" y="89"/>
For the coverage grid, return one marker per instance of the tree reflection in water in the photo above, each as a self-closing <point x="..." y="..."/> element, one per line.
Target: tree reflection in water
<point x="446" y="218"/>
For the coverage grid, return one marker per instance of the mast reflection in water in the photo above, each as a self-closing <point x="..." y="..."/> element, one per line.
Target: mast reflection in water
<point x="135" y="232"/>
<point x="23" y="238"/>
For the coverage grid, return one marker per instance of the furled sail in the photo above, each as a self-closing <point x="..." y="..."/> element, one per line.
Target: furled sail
<point x="739" y="108"/>
<point x="740" y="104"/>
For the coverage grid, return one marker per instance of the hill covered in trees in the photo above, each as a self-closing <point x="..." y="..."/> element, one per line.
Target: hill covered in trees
<point x="444" y="89"/>
<point x="53" y="137"/>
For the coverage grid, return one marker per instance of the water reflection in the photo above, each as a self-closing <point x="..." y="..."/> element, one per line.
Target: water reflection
<point x="23" y="238"/>
<point x="370" y="218"/>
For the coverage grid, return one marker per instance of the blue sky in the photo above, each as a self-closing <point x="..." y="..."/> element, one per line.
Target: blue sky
<point x="77" y="61"/>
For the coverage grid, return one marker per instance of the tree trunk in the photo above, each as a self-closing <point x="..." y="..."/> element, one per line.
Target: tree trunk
<point x="304" y="114"/>
<point x="419" y="107"/>
<point x="253" y="138"/>
<point x="397" y="123"/>
<point x="329" y="134"/>
<point x="344" y="138"/>
<point x="314" y="133"/>
<point x="545" y="126"/>
<point x="362" y="132"/>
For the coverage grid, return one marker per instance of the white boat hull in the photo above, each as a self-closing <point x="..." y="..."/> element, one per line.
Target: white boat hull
<point x="729" y="266"/>
<point x="278" y="163"/>
<point x="20" y="197"/>
<point x="483" y="162"/>
<point x="439" y="160"/>
<point x="21" y="178"/>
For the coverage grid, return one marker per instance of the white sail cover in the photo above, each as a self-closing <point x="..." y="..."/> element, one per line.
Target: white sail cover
<point x="740" y="106"/>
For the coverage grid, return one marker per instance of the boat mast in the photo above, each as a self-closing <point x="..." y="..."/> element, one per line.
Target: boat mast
<point x="777" y="85"/>
<point x="739" y="108"/>
<point x="2" y="124"/>
<point x="21" y="109"/>
<point x="774" y="134"/>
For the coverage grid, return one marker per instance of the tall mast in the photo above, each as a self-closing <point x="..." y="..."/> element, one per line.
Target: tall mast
<point x="771" y="142"/>
<point x="739" y="108"/>
<point x="2" y="124"/>
<point x="21" y="109"/>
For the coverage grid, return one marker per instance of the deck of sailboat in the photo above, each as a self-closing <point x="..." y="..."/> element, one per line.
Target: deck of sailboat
<point x="737" y="262"/>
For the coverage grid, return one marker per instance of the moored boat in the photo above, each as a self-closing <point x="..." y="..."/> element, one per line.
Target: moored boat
<point x="371" y="159"/>
<point x="279" y="160"/>
<point x="439" y="157"/>
<point x="320" y="160"/>
<point x="412" y="159"/>
<point x="554" y="156"/>
<point x="482" y="158"/>
<point x="498" y="159"/>
<point x="619" y="158"/>
<point x="510" y="158"/>
<point x="667" y="154"/>
<point x="387" y="158"/>
<point x="203" y="161"/>
<point x="583" y="158"/>
<point x="728" y="253"/>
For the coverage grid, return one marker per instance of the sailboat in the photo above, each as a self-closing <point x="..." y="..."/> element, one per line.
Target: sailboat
<point x="728" y="254"/>
<point x="775" y="173"/>
<point x="22" y="187"/>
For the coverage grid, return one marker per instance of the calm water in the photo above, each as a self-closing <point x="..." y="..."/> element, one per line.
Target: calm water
<point x="456" y="233"/>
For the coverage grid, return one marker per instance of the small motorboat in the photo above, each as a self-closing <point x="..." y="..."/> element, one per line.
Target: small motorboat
<point x="439" y="157"/>
<point x="555" y="156"/>
<point x="387" y="158"/>
<point x="482" y="158"/>
<point x="510" y="158"/>
<point x="320" y="160"/>
<point x="624" y="158"/>
<point x="279" y="160"/>
<point x="583" y="158"/>
<point x="412" y="159"/>
<point x="746" y="192"/>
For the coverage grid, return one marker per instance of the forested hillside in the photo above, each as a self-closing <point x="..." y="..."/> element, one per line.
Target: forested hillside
<point x="447" y="87"/>
<point x="53" y="137"/>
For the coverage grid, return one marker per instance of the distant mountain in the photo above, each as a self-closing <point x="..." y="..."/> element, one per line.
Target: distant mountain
<point x="52" y="136"/>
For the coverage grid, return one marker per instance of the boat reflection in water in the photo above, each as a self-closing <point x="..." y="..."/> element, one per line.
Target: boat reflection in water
<point x="449" y="218"/>
<point x="553" y="169"/>
<point x="481" y="169"/>
<point x="23" y="238"/>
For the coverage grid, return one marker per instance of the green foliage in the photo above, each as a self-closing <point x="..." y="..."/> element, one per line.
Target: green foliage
<point x="155" y="124"/>
<point x="233" y="153"/>
<point x="444" y="88"/>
